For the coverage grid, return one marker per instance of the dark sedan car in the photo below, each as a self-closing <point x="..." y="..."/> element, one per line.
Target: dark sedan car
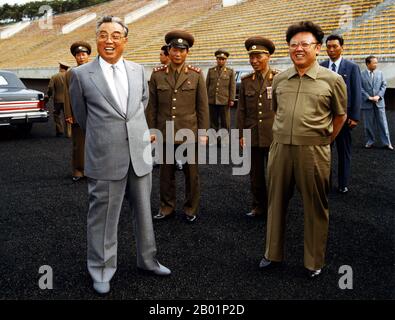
<point x="20" y="106"/>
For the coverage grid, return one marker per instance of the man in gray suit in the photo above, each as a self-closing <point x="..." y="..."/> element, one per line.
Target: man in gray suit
<point x="373" y="105"/>
<point x="109" y="96"/>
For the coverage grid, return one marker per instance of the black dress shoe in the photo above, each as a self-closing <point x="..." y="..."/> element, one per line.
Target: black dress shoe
<point x="266" y="264"/>
<point x="314" y="273"/>
<point x="160" y="215"/>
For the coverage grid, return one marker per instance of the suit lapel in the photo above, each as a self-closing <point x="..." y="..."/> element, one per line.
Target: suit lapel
<point x="131" y="73"/>
<point x="342" y="68"/>
<point x="100" y="82"/>
<point x="325" y="64"/>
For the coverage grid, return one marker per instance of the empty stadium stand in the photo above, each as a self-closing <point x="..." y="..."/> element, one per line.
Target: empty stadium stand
<point x="212" y="25"/>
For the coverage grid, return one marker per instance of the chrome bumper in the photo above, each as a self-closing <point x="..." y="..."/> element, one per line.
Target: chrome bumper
<point x="7" y="119"/>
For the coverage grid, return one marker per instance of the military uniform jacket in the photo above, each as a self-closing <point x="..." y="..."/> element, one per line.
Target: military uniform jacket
<point x="56" y="87"/>
<point x="184" y="103"/>
<point x="221" y="88"/>
<point x="254" y="109"/>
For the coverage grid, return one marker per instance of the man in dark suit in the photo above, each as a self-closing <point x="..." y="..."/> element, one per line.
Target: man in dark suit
<point x="352" y="77"/>
<point x="108" y="96"/>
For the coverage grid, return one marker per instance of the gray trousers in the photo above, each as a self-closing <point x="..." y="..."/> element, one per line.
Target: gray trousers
<point x="105" y="203"/>
<point x="376" y="118"/>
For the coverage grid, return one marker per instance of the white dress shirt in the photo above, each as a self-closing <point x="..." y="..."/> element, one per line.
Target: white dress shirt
<point x="337" y="64"/>
<point x="108" y="75"/>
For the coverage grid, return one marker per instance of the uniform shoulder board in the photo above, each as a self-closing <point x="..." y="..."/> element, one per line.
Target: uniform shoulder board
<point x="196" y="69"/>
<point x="160" y="68"/>
<point x="247" y="76"/>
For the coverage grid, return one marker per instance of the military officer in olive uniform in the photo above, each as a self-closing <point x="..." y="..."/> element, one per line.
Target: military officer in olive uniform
<point x="81" y="51"/>
<point x="164" y="55"/>
<point x="178" y="94"/>
<point x="221" y="89"/>
<point x="255" y="112"/>
<point x="56" y="90"/>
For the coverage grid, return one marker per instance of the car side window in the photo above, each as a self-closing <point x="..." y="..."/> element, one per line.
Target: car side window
<point x="3" y="81"/>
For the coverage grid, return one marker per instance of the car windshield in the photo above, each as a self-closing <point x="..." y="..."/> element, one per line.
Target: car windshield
<point x="10" y="80"/>
<point x="241" y="74"/>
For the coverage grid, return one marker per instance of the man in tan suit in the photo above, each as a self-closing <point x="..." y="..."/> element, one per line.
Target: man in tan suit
<point x="310" y="102"/>
<point x="56" y="90"/>
<point x="178" y="96"/>
<point x="255" y="112"/>
<point x="221" y="90"/>
<point x="81" y="51"/>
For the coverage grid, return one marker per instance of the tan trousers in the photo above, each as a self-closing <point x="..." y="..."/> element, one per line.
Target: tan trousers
<point x="258" y="180"/>
<point x="58" y="111"/>
<point x="77" y="161"/>
<point x="308" y="167"/>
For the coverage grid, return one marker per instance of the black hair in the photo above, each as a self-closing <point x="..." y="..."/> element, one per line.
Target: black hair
<point x="335" y="37"/>
<point x="369" y="59"/>
<point x="305" y="26"/>
<point x="165" y="50"/>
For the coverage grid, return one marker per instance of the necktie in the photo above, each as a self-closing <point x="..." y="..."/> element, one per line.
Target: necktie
<point x="122" y="94"/>
<point x="176" y="75"/>
<point x="333" y="67"/>
<point x="371" y="75"/>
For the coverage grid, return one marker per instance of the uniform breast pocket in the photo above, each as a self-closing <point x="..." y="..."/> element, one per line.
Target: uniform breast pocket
<point x="316" y="104"/>
<point x="250" y="95"/>
<point x="188" y="89"/>
<point x="164" y="93"/>
<point x="162" y="87"/>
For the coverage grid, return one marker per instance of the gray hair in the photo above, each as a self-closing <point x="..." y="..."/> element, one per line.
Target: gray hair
<point x="107" y="19"/>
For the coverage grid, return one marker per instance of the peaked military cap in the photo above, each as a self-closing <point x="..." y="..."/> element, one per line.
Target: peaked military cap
<point x="179" y="39"/>
<point x="80" y="46"/>
<point x="64" y="65"/>
<point x="221" y="53"/>
<point x="258" y="44"/>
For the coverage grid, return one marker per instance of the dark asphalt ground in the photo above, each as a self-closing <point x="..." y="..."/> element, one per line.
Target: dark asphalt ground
<point x="43" y="222"/>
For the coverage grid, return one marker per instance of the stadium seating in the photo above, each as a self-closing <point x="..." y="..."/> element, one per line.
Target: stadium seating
<point x="212" y="25"/>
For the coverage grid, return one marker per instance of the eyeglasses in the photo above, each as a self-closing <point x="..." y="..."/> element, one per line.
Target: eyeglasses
<point x="305" y="45"/>
<point x="105" y="36"/>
